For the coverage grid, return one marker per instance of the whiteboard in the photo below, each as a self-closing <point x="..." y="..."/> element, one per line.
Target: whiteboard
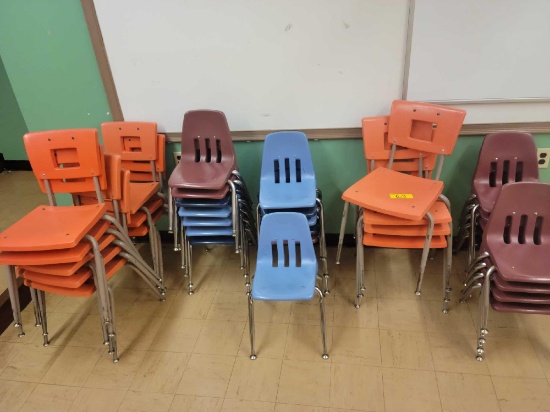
<point x="268" y="64"/>
<point x="476" y="50"/>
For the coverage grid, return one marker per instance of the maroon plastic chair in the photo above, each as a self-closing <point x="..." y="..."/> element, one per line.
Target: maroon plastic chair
<point x="505" y="157"/>
<point x="207" y="152"/>
<point x="512" y="267"/>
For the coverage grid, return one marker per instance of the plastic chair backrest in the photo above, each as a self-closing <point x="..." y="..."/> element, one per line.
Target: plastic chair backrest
<point x="428" y="128"/>
<point x="161" y="154"/>
<point x="378" y="148"/>
<point x="287" y="174"/>
<point x="113" y="168"/>
<point x="136" y="141"/>
<point x="68" y="159"/>
<point x="520" y="221"/>
<point x="506" y="157"/>
<point x="285" y="242"/>
<point x="206" y="138"/>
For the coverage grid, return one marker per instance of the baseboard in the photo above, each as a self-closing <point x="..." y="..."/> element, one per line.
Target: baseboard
<point x="15" y="165"/>
<point x="331" y="238"/>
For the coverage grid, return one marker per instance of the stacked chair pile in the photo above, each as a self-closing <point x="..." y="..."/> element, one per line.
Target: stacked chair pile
<point x="399" y="204"/>
<point x="287" y="184"/>
<point x="211" y="203"/>
<point x="512" y="265"/>
<point x="505" y="157"/>
<point x="74" y="250"/>
<point x="290" y="220"/>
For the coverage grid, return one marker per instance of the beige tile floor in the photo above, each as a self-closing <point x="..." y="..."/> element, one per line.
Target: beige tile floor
<point x="398" y="352"/>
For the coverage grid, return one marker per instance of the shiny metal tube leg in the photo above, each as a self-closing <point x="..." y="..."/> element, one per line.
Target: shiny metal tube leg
<point x="323" y="328"/>
<point x="251" y="326"/>
<point x="14" y="299"/>
<point x="342" y="232"/>
<point x="425" y="252"/>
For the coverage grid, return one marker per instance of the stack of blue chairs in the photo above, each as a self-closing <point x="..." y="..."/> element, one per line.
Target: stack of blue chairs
<point x="287" y="184"/>
<point x="226" y="221"/>
<point x="208" y="193"/>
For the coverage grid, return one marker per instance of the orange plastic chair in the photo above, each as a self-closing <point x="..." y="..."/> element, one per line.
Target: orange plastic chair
<point x="136" y="206"/>
<point x="378" y="151"/>
<point x="424" y="133"/>
<point x="69" y="248"/>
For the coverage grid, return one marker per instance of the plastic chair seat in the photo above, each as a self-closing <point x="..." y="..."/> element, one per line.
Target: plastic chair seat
<point x="403" y="242"/>
<point x="138" y="218"/>
<point x="543" y="288"/>
<point x="281" y="284"/>
<point x="50" y="257"/>
<point x="203" y="202"/>
<point x="516" y="265"/>
<point x="519" y="297"/>
<point x="438" y="210"/>
<point x="144" y="229"/>
<point x="202" y="222"/>
<point x="199" y="194"/>
<point x="68" y="269"/>
<point x="140" y="193"/>
<point x="205" y="176"/>
<point x="87" y="289"/>
<point x="221" y="212"/>
<point x="375" y="190"/>
<point x="288" y="279"/>
<point x="51" y="228"/>
<point x="212" y="240"/>
<point x="73" y="281"/>
<point x="519" y="307"/>
<point x="208" y="231"/>
<point x="440" y="229"/>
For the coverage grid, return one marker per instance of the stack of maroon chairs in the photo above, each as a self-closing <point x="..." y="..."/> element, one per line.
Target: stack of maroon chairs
<point x="512" y="268"/>
<point x="207" y="192"/>
<point x="505" y="157"/>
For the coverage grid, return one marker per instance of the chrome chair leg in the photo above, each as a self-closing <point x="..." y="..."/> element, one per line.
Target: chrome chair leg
<point x="323" y="329"/>
<point x="251" y="326"/>
<point x="360" y="262"/>
<point x="342" y="232"/>
<point x="41" y="296"/>
<point x="14" y="299"/>
<point x="484" y="315"/>
<point x="189" y="267"/>
<point x="425" y="252"/>
<point x="37" y="314"/>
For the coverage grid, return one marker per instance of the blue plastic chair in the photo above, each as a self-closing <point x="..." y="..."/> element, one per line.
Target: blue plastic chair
<point x="286" y="268"/>
<point x="287" y="175"/>
<point x="287" y="184"/>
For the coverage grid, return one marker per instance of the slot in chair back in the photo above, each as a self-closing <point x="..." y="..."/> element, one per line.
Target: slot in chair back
<point x="287" y="175"/>
<point x="425" y="127"/>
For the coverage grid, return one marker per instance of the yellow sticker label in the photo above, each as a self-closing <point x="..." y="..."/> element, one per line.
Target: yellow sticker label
<point x="401" y="196"/>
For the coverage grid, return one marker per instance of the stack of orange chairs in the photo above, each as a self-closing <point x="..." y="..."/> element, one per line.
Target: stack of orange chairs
<point x="71" y="250"/>
<point x="143" y="153"/>
<point x="398" y="204"/>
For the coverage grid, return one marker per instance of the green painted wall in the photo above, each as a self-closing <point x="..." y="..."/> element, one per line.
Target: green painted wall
<point x="50" y="63"/>
<point x="12" y="124"/>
